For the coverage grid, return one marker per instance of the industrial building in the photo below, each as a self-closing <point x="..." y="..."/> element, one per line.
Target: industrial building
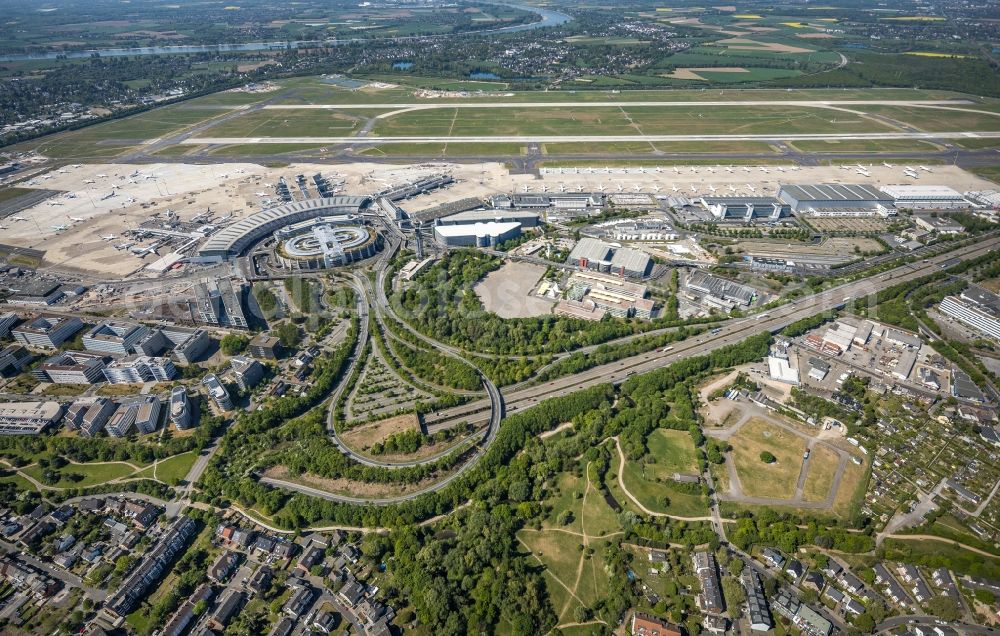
<point x="488" y="234"/>
<point x="526" y="219"/>
<point x="235" y="239"/>
<point x="71" y="367"/>
<point x="939" y="224"/>
<point x="977" y="308"/>
<point x="28" y="418"/>
<point x="247" y="371"/>
<point x="47" y="332"/>
<point x="837" y="199"/>
<point x="325" y="242"/>
<point x="139" y="369"/>
<point x="781" y="367"/>
<point x="719" y="292"/>
<point x="217" y="302"/>
<point x="745" y="208"/>
<point x="926" y="197"/>
<point x="590" y="253"/>
<point x="180" y="408"/>
<point x="217" y="391"/>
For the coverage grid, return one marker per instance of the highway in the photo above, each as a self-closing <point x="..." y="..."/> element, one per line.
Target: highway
<point x="732" y="332"/>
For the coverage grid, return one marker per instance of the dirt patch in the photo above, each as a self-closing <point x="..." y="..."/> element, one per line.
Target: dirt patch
<point x="363" y="436"/>
<point x="253" y="66"/>
<point x="506" y="291"/>
<point x="744" y="44"/>
<point x="692" y="73"/>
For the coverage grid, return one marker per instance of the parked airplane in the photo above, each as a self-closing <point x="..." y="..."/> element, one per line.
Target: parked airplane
<point x="675" y="188"/>
<point x="751" y="188"/>
<point x="764" y="170"/>
<point x="926" y="169"/>
<point x="108" y="237"/>
<point x="60" y="228"/>
<point x="107" y="196"/>
<point x="102" y="176"/>
<point x="18" y="218"/>
<point x="712" y="189"/>
<point x="88" y="181"/>
<point x="77" y="219"/>
<point x="886" y="164"/>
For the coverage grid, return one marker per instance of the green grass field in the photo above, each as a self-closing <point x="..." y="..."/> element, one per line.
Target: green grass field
<point x="652" y="483"/>
<point x="767" y="480"/>
<point x="174" y="469"/>
<point x="291" y="123"/>
<point x="93" y="474"/>
<point x="249" y="150"/>
<point x="443" y="150"/>
<point x="865" y="145"/>
<point x="674" y="452"/>
<point x="937" y="120"/>
<point x="977" y="144"/>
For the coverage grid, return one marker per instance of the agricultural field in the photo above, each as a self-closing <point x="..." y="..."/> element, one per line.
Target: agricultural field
<point x="757" y="478"/>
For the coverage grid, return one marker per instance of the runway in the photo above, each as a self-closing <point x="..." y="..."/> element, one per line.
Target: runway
<point x="624" y="104"/>
<point x="774" y="137"/>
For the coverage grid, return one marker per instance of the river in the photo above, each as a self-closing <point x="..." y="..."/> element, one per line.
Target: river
<point x="549" y="17"/>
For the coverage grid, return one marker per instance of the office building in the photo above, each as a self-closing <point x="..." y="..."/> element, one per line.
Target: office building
<point x="13" y="359"/>
<point x="939" y="224"/>
<point x="217" y="392"/>
<point x="147" y="418"/>
<point x="188" y="344"/>
<point x="265" y="346"/>
<point x="28" y="418"/>
<point x="217" y="302"/>
<point x="139" y="369"/>
<point x="976" y="308"/>
<point x="95" y="417"/>
<point x="71" y="367"/>
<point x="7" y="322"/>
<point x="121" y="422"/>
<point x="180" y="408"/>
<point x="115" y="337"/>
<point x="47" y="332"/>
<point x="592" y="254"/>
<point x="247" y="371"/>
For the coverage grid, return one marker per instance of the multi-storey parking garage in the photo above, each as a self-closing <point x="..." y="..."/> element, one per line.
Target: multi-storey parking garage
<point x="325" y="242"/>
<point x="235" y="239"/>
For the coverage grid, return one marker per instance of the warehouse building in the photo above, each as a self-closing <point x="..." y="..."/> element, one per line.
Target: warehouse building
<point x="71" y="367"/>
<point x="139" y="369"/>
<point x="837" y="199"/>
<point x="939" y="224"/>
<point x="488" y="234"/>
<point x="47" y="332"/>
<point x="217" y="302"/>
<point x="590" y="253"/>
<point x="28" y="418"/>
<point x="720" y="292"/>
<point x="926" y="197"/>
<point x="526" y="219"/>
<point x="745" y="208"/>
<point x="977" y="308"/>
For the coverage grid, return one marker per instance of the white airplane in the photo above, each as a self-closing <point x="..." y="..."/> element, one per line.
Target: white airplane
<point x="659" y="169"/>
<point x="107" y="196"/>
<point x="763" y="169"/>
<point x="620" y="188"/>
<point x="863" y="172"/>
<point x="61" y="171"/>
<point x="925" y="169"/>
<point x="545" y="188"/>
<point x="88" y="181"/>
<point x="134" y="174"/>
<point x="656" y="188"/>
<point x="261" y="194"/>
<point x="562" y="188"/>
<point x="129" y="201"/>
<point x="600" y="188"/>
<point x="712" y="170"/>
<point x="694" y="188"/>
<point x="637" y="188"/>
<point x="745" y="169"/>
<point x="886" y="164"/>
<point x="676" y="171"/>
<point x="751" y="188"/>
<point x="76" y="219"/>
<point x="60" y="228"/>
<point x="77" y="165"/>
<point x="123" y="246"/>
<point x="729" y="169"/>
<point x="780" y="169"/>
<point x="18" y="218"/>
<point x="102" y="176"/>
<point x="526" y="188"/>
<point x="675" y="188"/>
<point x="108" y="237"/>
<point x="712" y="189"/>
<point x="694" y="170"/>
<point x="732" y="188"/>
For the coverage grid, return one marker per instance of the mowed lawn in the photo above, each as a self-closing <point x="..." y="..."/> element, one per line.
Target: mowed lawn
<point x="93" y="474"/>
<point x="767" y="480"/>
<point x="173" y="469"/>
<point x="652" y="484"/>
<point x="632" y="120"/>
<point x="864" y="145"/>
<point x="822" y="466"/>
<point x="291" y="123"/>
<point x="673" y="451"/>
<point x="938" y="120"/>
